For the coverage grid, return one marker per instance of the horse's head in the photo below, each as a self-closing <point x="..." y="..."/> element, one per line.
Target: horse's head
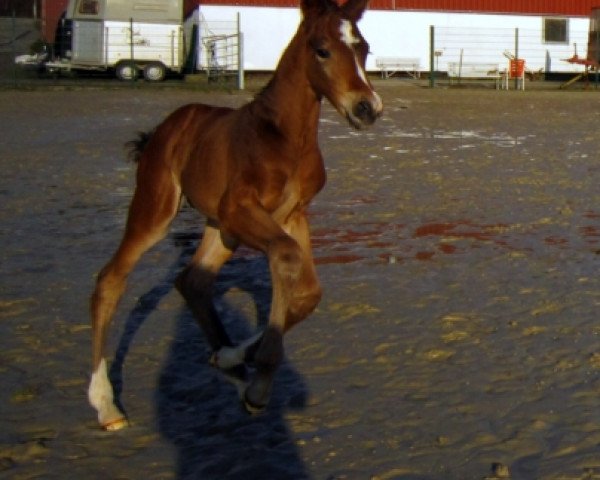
<point x="337" y="53"/>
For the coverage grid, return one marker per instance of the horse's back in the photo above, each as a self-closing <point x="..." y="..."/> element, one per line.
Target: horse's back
<point x="187" y="147"/>
<point x="190" y="127"/>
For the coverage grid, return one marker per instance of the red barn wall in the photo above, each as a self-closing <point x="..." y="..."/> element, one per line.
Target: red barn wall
<point x="51" y="13"/>
<point x="527" y="7"/>
<point x="520" y="7"/>
<point x="51" y="10"/>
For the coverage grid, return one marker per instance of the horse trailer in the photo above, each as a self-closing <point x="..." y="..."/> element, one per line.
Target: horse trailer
<point x="128" y="37"/>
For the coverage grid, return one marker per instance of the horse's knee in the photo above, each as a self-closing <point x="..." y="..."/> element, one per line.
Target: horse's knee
<point x="300" y="286"/>
<point x="106" y="281"/>
<point x="285" y="259"/>
<point x="303" y="303"/>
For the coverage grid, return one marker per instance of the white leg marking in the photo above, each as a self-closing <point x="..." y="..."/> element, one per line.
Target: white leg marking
<point x="100" y="395"/>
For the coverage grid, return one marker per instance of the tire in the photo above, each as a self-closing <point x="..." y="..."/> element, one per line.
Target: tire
<point x="155" y="72"/>
<point x="126" y="71"/>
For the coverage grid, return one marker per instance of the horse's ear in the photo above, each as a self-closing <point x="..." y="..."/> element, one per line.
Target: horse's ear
<point x="355" y="9"/>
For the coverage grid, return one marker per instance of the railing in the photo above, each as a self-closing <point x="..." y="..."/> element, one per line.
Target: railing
<point x="452" y="45"/>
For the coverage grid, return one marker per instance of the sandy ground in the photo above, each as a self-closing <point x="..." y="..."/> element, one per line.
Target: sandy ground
<point x="458" y="243"/>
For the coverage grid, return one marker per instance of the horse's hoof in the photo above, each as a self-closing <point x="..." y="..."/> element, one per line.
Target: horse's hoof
<point x="115" y="425"/>
<point x="253" y="408"/>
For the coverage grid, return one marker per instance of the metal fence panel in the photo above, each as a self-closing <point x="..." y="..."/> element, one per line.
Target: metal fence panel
<point x="497" y="45"/>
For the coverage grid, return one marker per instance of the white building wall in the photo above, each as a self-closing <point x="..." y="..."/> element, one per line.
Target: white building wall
<point x="266" y="31"/>
<point x="480" y="38"/>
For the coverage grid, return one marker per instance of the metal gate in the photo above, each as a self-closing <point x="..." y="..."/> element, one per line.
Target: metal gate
<point x="222" y="51"/>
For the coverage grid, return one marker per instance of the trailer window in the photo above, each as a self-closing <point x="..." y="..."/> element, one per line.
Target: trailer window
<point x="556" y="30"/>
<point x="88" y="7"/>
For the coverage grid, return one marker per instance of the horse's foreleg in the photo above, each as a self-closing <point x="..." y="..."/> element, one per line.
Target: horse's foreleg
<point x="306" y="294"/>
<point x="150" y="213"/>
<point x="296" y="292"/>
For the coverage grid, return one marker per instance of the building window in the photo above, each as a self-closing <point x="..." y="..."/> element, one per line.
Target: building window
<point x="88" y="7"/>
<point x="556" y="30"/>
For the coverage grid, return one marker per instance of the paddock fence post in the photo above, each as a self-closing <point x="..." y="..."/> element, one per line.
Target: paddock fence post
<point x="14" y="46"/>
<point x="516" y="58"/>
<point x="597" y="43"/>
<point x="431" y="56"/>
<point x="131" y="52"/>
<point x="240" y="54"/>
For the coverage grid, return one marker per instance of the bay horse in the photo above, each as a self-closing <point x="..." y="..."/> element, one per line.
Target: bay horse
<point x="252" y="172"/>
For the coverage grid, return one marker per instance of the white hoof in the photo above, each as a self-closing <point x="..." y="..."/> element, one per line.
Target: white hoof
<point x="226" y="357"/>
<point x="115" y="425"/>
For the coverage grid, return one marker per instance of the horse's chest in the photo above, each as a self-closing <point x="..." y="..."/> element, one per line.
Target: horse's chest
<point x="299" y="189"/>
<point x="308" y="178"/>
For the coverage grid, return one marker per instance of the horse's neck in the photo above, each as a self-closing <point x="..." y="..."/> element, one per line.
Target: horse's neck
<point x="288" y="100"/>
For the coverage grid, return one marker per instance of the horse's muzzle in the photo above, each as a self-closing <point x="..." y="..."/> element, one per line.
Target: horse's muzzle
<point x="365" y="111"/>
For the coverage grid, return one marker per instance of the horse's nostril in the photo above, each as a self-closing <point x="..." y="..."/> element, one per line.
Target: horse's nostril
<point x="363" y="109"/>
<point x="365" y="112"/>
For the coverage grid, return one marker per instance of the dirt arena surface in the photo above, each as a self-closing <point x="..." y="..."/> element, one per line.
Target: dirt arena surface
<point x="458" y="243"/>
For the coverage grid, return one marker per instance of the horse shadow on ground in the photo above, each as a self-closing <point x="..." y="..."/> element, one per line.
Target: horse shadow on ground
<point x="197" y="409"/>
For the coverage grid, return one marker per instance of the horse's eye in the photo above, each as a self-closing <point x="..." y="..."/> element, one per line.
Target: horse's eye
<point x="323" y="53"/>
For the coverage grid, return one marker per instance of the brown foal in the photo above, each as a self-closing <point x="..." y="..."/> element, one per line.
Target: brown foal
<point x="252" y="172"/>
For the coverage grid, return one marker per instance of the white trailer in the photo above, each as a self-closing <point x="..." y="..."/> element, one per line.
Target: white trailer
<point x="127" y="36"/>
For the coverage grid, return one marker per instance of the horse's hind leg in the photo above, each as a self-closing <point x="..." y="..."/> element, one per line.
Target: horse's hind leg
<point x="196" y="285"/>
<point x="154" y="204"/>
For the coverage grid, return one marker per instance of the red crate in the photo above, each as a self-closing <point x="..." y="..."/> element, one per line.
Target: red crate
<point x="517" y="68"/>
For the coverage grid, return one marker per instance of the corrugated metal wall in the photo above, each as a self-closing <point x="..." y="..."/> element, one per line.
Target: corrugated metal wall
<point x="53" y="9"/>
<point x="533" y="7"/>
<point x="254" y="3"/>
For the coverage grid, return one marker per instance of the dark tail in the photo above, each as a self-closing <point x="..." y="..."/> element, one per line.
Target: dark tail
<point x="136" y="146"/>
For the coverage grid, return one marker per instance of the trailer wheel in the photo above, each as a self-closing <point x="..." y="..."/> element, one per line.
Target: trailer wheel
<point x="155" y="72"/>
<point x="126" y="71"/>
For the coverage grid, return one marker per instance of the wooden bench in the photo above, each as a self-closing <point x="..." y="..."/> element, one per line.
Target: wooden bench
<point x="391" y="65"/>
<point x="474" y="71"/>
